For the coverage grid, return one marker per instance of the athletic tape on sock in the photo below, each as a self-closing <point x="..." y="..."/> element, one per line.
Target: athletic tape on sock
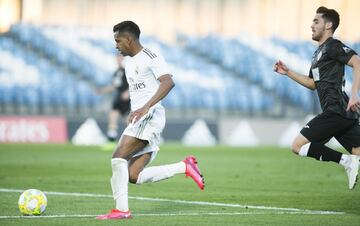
<point x="304" y="150"/>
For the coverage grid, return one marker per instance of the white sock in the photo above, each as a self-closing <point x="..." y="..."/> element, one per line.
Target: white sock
<point x="119" y="183"/>
<point x="345" y="160"/>
<point x="158" y="173"/>
<point x="304" y="150"/>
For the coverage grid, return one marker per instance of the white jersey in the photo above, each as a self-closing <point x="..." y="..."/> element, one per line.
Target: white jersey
<point x="142" y="72"/>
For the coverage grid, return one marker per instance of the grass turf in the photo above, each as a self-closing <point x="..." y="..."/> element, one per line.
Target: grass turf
<point x="263" y="176"/>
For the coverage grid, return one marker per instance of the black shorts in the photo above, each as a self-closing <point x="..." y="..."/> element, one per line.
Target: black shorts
<point x="328" y="124"/>
<point x="122" y="106"/>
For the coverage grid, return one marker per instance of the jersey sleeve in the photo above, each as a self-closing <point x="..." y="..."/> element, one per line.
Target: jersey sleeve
<point x="340" y="52"/>
<point x="159" y="66"/>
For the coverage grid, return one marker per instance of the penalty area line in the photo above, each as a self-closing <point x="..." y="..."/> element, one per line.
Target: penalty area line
<point x="184" y="202"/>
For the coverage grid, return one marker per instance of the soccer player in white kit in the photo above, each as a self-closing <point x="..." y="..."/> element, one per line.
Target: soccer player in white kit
<point x="149" y="81"/>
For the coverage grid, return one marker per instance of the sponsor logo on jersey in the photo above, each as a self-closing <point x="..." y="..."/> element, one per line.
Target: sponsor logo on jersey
<point x="316" y="74"/>
<point x="137" y="86"/>
<point x="319" y="55"/>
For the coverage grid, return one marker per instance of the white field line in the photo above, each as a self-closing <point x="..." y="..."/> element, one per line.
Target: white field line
<point x="169" y="214"/>
<point x="184" y="202"/>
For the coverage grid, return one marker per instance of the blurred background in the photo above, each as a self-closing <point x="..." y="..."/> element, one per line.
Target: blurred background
<point x="55" y="54"/>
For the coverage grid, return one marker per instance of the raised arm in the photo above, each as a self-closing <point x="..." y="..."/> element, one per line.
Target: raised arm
<point x="304" y="80"/>
<point x="354" y="102"/>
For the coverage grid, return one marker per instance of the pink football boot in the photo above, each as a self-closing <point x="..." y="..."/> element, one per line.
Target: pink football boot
<point x="193" y="171"/>
<point x="115" y="214"/>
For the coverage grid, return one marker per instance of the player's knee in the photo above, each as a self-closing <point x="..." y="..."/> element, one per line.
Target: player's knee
<point x="295" y="148"/>
<point x="119" y="154"/>
<point x="133" y="177"/>
<point x="355" y="151"/>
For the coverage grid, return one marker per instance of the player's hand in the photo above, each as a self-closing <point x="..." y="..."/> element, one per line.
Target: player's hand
<point x="354" y="103"/>
<point x="136" y="115"/>
<point x="281" y="68"/>
<point x="125" y="95"/>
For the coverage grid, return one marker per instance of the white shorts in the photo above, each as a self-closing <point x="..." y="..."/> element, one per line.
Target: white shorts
<point x="148" y="128"/>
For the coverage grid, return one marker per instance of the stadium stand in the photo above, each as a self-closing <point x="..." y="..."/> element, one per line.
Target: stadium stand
<point x="34" y="82"/>
<point x="47" y="69"/>
<point x="250" y="64"/>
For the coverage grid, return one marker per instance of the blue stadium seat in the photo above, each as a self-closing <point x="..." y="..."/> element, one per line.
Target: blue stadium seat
<point x="32" y="98"/>
<point x="211" y="72"/>
<point x="7" y="94"/>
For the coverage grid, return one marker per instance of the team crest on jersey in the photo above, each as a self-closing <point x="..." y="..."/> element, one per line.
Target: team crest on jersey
<point x="346" y="49"/>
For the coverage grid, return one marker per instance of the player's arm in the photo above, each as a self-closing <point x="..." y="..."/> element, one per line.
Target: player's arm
<point x="304" y="80"/>
<point x="166" y="84"/>
<point x="354" y="102"/>
<point x="125" y="95"/>
<point x="106" y="89"/>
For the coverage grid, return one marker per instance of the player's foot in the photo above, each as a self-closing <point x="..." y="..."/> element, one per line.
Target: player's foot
<point x="352" y="170"/>
<point x="193" y="171"/>
<point x="115" y="214"/>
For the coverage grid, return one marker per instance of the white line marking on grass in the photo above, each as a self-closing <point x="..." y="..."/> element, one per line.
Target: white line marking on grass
<point x="46" y="216"/>
<point x="61" y="193"/>
<point x="169" y="214"/>
<point x="233" y="205"/>
<point x="184" y="202"/>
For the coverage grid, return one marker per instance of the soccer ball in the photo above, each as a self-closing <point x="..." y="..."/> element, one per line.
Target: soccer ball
<point x="32" y="202"/>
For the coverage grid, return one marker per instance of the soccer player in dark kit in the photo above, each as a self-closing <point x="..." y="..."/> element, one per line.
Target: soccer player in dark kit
<point x="340" y="116"/>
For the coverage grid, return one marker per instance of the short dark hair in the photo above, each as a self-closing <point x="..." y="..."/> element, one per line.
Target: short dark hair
<point x="128" y="26"/>
<point x="329" y="15"/>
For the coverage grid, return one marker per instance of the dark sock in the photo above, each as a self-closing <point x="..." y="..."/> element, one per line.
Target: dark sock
<point x="111" y="139"/>
<point x="321" y="152"/>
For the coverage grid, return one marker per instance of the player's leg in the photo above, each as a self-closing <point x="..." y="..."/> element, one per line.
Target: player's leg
<point x="112" y="131"/>
<point x="312" y="138"/>
<point x="320" y="152"/>
<point x="135" y="138"/>
<point x="127" y="147"/>
<point x="355" y="151"/>
<point x="300" y="145"/>
<point x="316" y="150"/>
<point x="140" y="175"/>
<point x="113" y="117"/>
<point x="319" y="130"/>
<point x="137" y="165"/>
<point x="350" y="140"/>
<point x="150" y="129"/>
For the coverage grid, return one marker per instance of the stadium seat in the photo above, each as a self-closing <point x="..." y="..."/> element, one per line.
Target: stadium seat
<point x="212" y="72"/>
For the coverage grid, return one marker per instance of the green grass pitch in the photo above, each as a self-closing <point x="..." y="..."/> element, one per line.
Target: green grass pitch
<point x="244" y="186"/>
